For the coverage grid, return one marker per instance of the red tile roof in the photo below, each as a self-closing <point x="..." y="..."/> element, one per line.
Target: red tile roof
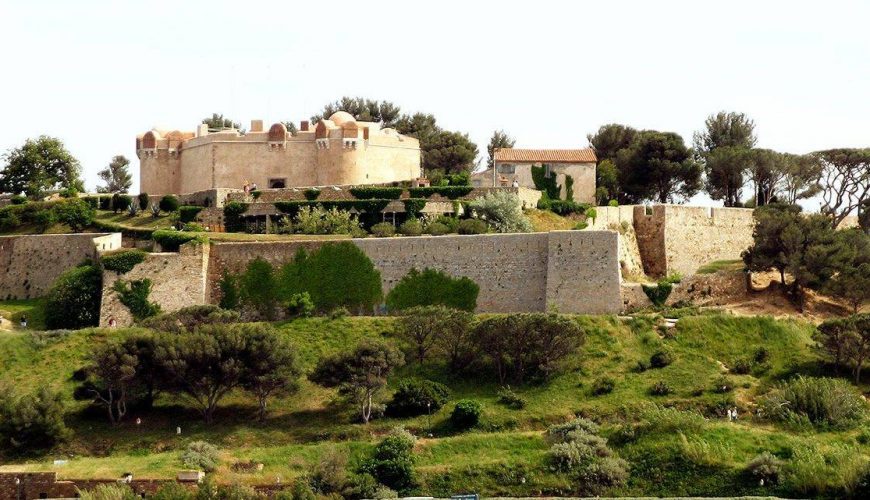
<point x="545" y="155"/>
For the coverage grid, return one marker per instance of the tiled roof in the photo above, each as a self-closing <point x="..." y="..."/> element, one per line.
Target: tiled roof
<point x="545" y="155"/>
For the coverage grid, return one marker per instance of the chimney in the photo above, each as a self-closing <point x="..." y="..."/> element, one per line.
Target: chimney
<point x="303" y="126"/>
<point x="201" y="130"/>
<point x="256" y="125"/>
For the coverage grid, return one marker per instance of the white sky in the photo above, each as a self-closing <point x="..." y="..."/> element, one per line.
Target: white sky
<point x="96" y="73"/>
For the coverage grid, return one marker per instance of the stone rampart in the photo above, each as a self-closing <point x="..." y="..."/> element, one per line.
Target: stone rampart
<point x="30" y="264"/>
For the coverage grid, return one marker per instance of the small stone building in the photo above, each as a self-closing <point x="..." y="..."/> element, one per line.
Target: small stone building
<point x="573" y="169"/>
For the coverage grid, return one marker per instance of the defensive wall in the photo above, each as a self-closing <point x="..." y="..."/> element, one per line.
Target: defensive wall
<point x="29" y="264"/>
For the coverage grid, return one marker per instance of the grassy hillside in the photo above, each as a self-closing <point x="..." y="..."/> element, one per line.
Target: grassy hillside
<point x="505" y="454"/>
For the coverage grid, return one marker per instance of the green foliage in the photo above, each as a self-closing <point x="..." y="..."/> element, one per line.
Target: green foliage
<point x="38" y="166"/>
<point x="169" y="203"/>
<point x="233" y="215"/>
<point x="660" y="388"/>
<point x="110" y="491"/>
<point x="658" y="294"/>
<point x="74" y="299"/>
<point x="383" y="230"/>
<point x="334" y="275"/>
<point x="830" y="472"/>
<point x="311" y="194"/>
<point x="216" y="122"/>
<point x="121" y="202"/>
<point x="229" y="291"/>
<point x="657" y="166"/>
<point x="271" y="365"/>
<point x="466" y="414"/>
<point x="437" y="229"/>
<point x="823" y="402"/>
<point x="568" y="207"/>
<point x="31" y="423"/>
<point x="499" y="140"/>
<point x="317" y="220"/>
<point x="189" y="318"/>
<point x="135" y="297"/>
<point x="502" y="210"/>
<point x="392" y="463"/>
<point x="376" y="192"/>
<point x="511" y="399"/>
<point x="18" y="199"/>
<point x="546" y="183"/>
<point x="603" y="385"/>
<point x="472" y="226"/>
<point x="417" y="397"/>
<point x="122" y="261"/>
<point x="171" y="240"/>
<point x="432" y="287"/>
<point x="411" y="227"/>
<point x="201" y="455"/>
<point x="661" y="359"/>
<point x="451" y="192"/>
<point x="188" y="213"/>
<point x="765" y="467"/>
<point x="75" y="213"/>
<point x="300" y="305"/>
<point x="851" y="283"/>
<point x="144" y="200"/>
<point x="258" y="288"/>
<point x="413" y="206"/>
<point x="44" y="219"/>
<point x="579" y="451"/>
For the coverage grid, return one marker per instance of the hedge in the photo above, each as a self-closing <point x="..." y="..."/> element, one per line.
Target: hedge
<point x="431" y="287"/>
<point x="413" y="206"/>
<point x="312" y="194"/>
<point x="565" y="207"/>
<point x="170" y="240"/>
<point x="74" y="300"/>
<point x="169" y="203"/>
<point x="133" y="232"/>
<point x="369" y="206"/>
<point x="384" y="193"/>
<point x="122" y="261"/>
<point x="188" y="213"/>
<point x="451" y="192"/>
<point x="232" y="215"/>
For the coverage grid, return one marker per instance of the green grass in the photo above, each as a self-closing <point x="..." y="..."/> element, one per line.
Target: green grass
<point x="506" y="455"/>
<point x="33" y="309"/>
<point x="720" y="265"/>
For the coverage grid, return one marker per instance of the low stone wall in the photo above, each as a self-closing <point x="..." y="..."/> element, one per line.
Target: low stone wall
<point x="30" y="264"/>
<point x="177" y="280"/>
<point x="34" y="485"/>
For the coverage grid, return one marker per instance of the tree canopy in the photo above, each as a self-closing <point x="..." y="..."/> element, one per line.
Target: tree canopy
<point x="116" y="176"/>
<point x="362" y="109"/>
<point x="723" y="147"/>
<point x="499" y="140"/>
<point x="217" y="122"/>
<point x="657" y="166"/>
<point x="38" y="166"/>
<point x="844" y="180"/>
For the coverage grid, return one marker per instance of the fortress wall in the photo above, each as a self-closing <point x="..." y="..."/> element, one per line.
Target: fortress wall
<point x="621" y="220"/>
<point x="30" y="264"/>
<point x="695" y="236"/>
<point x="583" y="272"/>
<point x="650" y="231"/>
<point x="177" y="280"/>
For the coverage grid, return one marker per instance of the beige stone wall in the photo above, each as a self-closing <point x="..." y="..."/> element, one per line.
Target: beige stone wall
<point x="695" y="236"/>
<point x="583" y="272"/>
<point x="30" y="264"/>
<point x="650" y="231"/>
<point x="177" y="280"/>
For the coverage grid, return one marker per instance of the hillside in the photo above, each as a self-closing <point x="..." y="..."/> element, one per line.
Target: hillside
<point x="505" y="454"/>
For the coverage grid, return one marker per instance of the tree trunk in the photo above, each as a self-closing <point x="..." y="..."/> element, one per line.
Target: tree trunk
<point x="262" y="410"/>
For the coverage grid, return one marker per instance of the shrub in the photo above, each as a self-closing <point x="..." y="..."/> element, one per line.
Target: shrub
<point x="437" y="229"/>
<point x="311" y="194"/>
<point x="392" y="463"/>
<point x="579" y="451"/>
<point x="75" y="213"/>
<point x="233" y="215"/>
<point x="300" y="305"/>
<point x="187" y="319"/>
<point x="660" y="388"/>
<point x="658" y="294"/>
<point x="823" y="402"/>
<point x="74" y="299"/>
<point x="603" y="385"/>
<point x="417" y="397"/>
<point x="452" y="223"/>
<point x="121" y="202"/>
<point x="431" y="287"/>
<point x="741" y="367"/>
<point x="18" y="199"/>
<point x="171" y="240"/>
<point x="762" y="355"/>
<point x="466" y="414"/>
<point x="188" y="213"/>
<point x="661" y="359"/>
<point x="613" y="203"/>
<point x="580" y="226"/>
<point x="451" y="192"/>
<point x="122" y="261"/>
<point x="765" y="467"/>
<point x="383" y="230"/>
<point x="413" y="206"/>
<point x="472" y="226"/>
<point x="133" y="210"/>
<point x="143" y="201"/>
<point x="411" y="227"/>
<point x="119" y="491"/>
<point x="658" y="419"/>
<point x="44" y="219"/>
<point x="384" y="193"/>
<point x="503" y="211"/>
<point x="155" y="211"/>
<point x="172" y="490"/>
<point x="568" y="207"/>
<point x="31" y="423"/>
<point x="562" y="433"/>
<point x="135" y="297"/>
<point x="723" y="385"/>
<point x="193" y="227"/>
<point x="168" y="203"/>
<point x="509" y="398"/>
<point x="201" y="455"/>
<point x="317" y="220"/>
<point x="642" y="366"/>
<point x="258" y="288"/>
<point x="229" y="291"/>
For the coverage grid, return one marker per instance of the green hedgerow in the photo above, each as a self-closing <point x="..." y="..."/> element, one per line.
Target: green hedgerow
<point x="169" y="203"/>
<point x="171" y="240"/>
<point x="466" y="414"/>
<point x="417" y="397"/>
<point x="188" y="213"/>
<point x="383" y="230"/>
<point x="432" y="287"/>
<point x="122" y="261"/>
<point x="823" y="402"/>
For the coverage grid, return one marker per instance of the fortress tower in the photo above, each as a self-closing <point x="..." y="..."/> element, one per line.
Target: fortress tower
<point x="337" y="151"/>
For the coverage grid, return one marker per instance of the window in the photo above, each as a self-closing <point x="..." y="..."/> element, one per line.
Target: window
<point x="507" y="169"/>
<point x="547" y="172"/>
<point x="277" y="183"/>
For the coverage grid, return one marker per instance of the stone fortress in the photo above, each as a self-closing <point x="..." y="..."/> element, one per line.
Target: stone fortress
<point x="336" y="151"/>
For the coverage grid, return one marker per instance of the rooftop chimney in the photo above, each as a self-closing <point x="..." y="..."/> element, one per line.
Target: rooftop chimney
<point x="304" y="126"/>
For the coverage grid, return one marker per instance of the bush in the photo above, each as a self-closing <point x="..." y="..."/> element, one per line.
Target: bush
<point x="603" y="385"/>
<point x="411" y="227"/>
<point x="122" y="261"/>
<point x="660" y="388"/>
<point x="641" y="366"/>
<point x="171" y="240"/>
<point x="579" y="450"/>
<point x="741" y="367"/>
<point x="317" y="220"/>
<point x="451" y="192"/>
<point x="823" y="402"/>
<point x="300" y="305"/>
<point x="762" y="355"/>
<point x="661" y="359"/>
<point x="75" y="213"/>
<point x="417" y="397"/>
<point x="135" y="297"/>
<point x="563" y="433"/>
<point x="765" y="467"/>
<point x="311" y="194"/>
<point x="612" y="203"/>
<point x="466" y="414"/>
<point x="509" y="398"/>
<point x="258" y="288"/>
<point x="172" y="490"/>
<point x="431" y="287"/>
<point x="193" y="227"/>
<point x="233" y="215"/>
<point x="437" y="229"/>
<point x="229" y="291"/>
<point x="168" y="203"/>
<point x="121" y="202"/>
<point x="143" y="201"/>
<point x="383" y="230"/>
<point x="503" y="211"/>
<point x="188" y="213"/>
<point x="31" y="423"/>
<point x="472" y="226"/>
<point x="18" y="199"/>
<point x="392" y="463"/>
<point x="374" y="192"/>
<point x="723" y="385"/>
<point x="658" y="294"/>
<point x="187" y="319"/>
<point x="110" y="491"/>
<point x="567" y="207"/>
<point x="201" y="455"/>
<point x="73" y="301"/>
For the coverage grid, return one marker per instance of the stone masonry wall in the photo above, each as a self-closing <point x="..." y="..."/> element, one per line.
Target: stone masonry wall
<point x="583" y="273"/>
<point x="177" y="280"/>
<point x="30" y="264"/>
<point x="695" y="236"/>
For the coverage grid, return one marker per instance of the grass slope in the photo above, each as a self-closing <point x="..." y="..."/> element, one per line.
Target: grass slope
<point x="505" y="455"/>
